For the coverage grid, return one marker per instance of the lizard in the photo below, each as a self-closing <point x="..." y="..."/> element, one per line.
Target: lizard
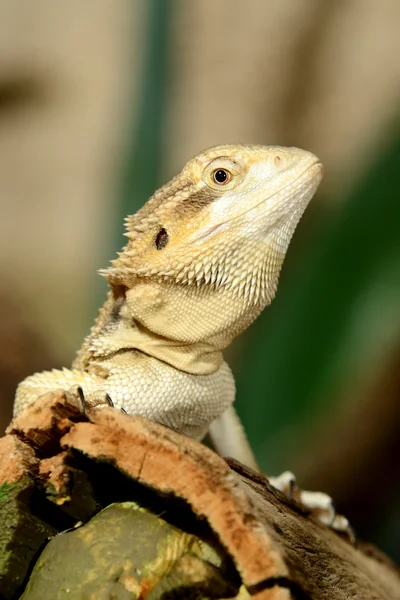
<point x="202" y="260"/>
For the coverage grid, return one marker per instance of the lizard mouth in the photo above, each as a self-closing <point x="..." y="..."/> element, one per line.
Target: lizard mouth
<point x="211" y="230"/>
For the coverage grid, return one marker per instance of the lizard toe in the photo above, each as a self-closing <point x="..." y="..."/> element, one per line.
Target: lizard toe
<point x="285" y="483"/>
<point x="76" y="396"/>
<point x="97" y="399"/>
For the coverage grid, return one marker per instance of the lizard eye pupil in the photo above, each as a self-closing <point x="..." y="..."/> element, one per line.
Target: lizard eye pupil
<point x="162" y="239"/>
<point x="221" y="176"/>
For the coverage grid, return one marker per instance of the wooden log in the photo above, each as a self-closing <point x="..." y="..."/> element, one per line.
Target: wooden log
<point x="162" y="515"/>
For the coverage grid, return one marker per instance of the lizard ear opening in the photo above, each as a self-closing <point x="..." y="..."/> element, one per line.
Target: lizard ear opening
<point x="119" y="291"/>
<point x="162" y="239"/>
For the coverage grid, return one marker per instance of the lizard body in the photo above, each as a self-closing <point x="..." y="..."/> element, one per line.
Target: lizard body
<point x="202" y="261"/>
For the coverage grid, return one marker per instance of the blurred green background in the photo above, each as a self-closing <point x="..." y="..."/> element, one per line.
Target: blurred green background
<point x="99" y="105"/>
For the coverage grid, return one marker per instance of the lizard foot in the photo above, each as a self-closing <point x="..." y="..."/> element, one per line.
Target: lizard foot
<point x="319" y="504"/>
<point x="97" y="399"/>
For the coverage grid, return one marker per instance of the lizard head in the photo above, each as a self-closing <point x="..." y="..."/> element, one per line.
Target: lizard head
<point x="225" y="220"/>
<point x="204" y="253"/>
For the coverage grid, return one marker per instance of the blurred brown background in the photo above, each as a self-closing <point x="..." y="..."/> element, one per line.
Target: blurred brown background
<point x="100" y="102"/>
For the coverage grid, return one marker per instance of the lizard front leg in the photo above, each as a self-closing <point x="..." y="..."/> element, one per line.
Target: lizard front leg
<point x="145" y="386"/>
<point x="228" y="438"/>
<point x="67" y="380"/>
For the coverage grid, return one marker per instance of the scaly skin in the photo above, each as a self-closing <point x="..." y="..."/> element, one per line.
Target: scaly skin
<point x="202" y="261"/>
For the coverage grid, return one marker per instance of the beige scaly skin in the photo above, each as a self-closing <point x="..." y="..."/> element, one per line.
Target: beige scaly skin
<point x="202" y="261"/>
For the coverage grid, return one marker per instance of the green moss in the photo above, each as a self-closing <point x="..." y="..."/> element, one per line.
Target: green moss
<point x="5" y="489"/>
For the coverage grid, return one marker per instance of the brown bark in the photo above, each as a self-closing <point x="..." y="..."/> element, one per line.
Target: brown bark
<point x="204" y="526"/>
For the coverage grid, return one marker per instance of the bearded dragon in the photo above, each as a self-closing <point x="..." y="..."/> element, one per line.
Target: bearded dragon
<point x="202" y="261"/>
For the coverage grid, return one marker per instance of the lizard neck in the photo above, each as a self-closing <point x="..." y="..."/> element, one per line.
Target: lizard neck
<point x="198" y="358"/>
<point x="116" y="330"/>
<point x="186" y="326"/>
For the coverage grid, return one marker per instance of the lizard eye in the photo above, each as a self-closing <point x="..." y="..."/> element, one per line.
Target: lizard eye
<point x="224" y="173"/>
<point x="162" y="239"/>
<point x="221" y="176"/>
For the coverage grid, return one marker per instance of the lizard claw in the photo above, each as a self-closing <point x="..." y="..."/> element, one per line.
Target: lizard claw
<point x="109" y="400"/>
<point x="77" y="397"/>
<point x="111" y="403"/>
<point x="82" y="399"/>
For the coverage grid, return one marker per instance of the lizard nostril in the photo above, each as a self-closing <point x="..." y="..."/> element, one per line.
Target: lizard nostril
<point x="277" y="160"/>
